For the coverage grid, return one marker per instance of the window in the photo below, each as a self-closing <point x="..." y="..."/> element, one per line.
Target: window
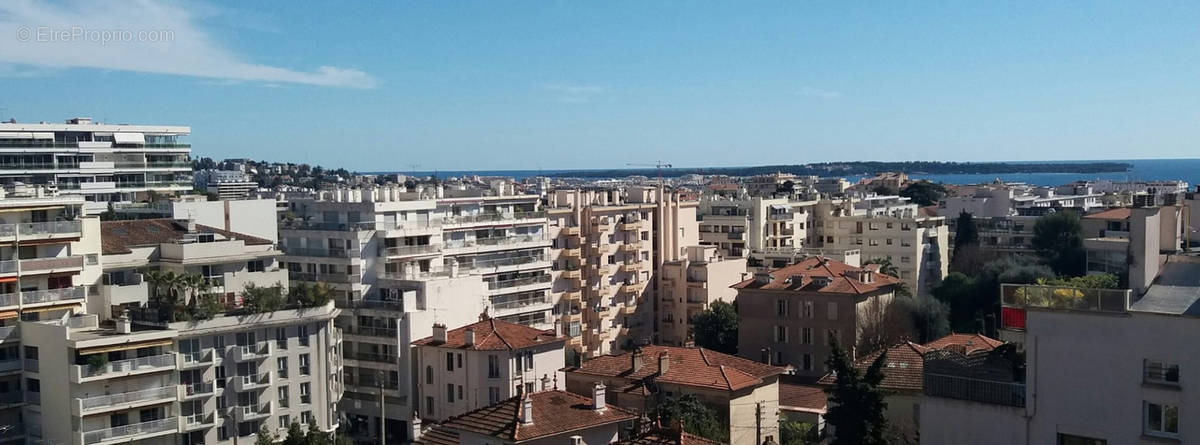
<point x="302" y="335"/>
<point x="449" y="361"/>
<point x="781" y="334"/>
<point x="806" y="336"/>
<point x="905" y="259"/>
<point x="460" y="360"/>
<point x="283" y="396"/>
<point x="808" y="311"/>
<point x="888" y="241"/>
<point x="1160" y="420"/>
<point x="493" y="367"/>
<point x="779" y="357"/>
<point x="303" y="364"/>
<point x="1160" y="372"/>
<point x="493" y="395"/>
<point x="831" y="310"/>
<point x="284" y="422"/>
<point x="781" y="307"/>
<point x="281" y="338"/>
<point x="306" y="417"/>
<point x="220" y="376"/>
<point x="255" y="266"/>
<point x="218" y="342"/>
<point x="1071" y="439"/>
<point x="806" y="362"/>
<point x="222" y="433"/>
<point x="429" y="405"/>
<point x="305" y="396"/>
<point x="449" y="393"/>
<point x="281" y="366"/>
<point x="460" y="391"/>
<point x="428" y="375"/>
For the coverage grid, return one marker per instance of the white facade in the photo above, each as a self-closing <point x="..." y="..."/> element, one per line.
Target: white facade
<point x="742" y="226"/>
<point x="690" y="285"/>
<point x="101" y="162"/>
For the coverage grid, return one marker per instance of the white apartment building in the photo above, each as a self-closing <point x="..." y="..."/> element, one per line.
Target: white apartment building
<point x="254" y="217"/>
<point x="609" y="248"/>
<point x="689" y="285"/>
<point x="101" y="162"/>
<point x="482" y="363"/>
<point x="400" y="261"/>
<point x="1007" y="199"/>
<point x="891" y="228"/>
<point x="227" y="184"/>
<point x="743" y="226"/>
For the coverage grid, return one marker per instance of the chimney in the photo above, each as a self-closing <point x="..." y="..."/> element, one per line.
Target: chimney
<point x="439" y="332"/>
<point x="526" y="410"/>
<point x="664" y="363"/>
<point x="598" y="397"/>
<point x="469" y="336"/>
<point x="124" y="326"/>
<point x="577" y="440"/>
<point x="545" y="382"/>
<point x="762" y="278"/>
<point x="636" y="360"/>
<point x="416" y="427"/>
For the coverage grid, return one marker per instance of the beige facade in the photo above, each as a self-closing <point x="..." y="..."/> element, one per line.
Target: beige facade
<point x="750" y="224"/>
<point x="690" y="285"/>
<point x="609" y="247"/>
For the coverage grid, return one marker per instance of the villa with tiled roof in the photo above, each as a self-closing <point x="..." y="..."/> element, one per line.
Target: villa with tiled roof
<point x="732" y="385"/>
<point x="549" y="416"/>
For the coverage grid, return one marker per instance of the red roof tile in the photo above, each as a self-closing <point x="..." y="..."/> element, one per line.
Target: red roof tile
<point x="968" y="343"/>
<point x="904" y="369"/>
<point x="688" y="366"/>
<point x="1120" y="213"/>
<point x="554" y="412"/>
<point x="439" y="435"/>
<point x="663" y="436"/>
<point x="116" y="237"/>
<point x="808" y="397"/>
<point x="494" y="335"/>
<point x="818" y="274"/>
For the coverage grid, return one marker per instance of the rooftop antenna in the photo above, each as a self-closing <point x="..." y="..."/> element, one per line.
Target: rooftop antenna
<point x="413" y="169"/>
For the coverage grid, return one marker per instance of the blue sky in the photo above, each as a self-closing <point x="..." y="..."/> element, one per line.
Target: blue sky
<point x="545" y="84"/>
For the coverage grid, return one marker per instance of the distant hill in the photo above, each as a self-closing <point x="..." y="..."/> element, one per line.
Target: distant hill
<point x="866" y="168"/>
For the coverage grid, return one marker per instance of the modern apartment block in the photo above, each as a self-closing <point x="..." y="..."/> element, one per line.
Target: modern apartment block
<point x="1115" y="236"/>
<point x="890" y="228"/>
<point x="101" y="162"/>
<point x="689" y="285"/>
<point x="609" y="248"/>
<point x="1006" y="199"/>
<point x="482" y="363"/>
<point x="788" y="316"/>
<point x="743" y="226"/>
<point x="400" y="261"/>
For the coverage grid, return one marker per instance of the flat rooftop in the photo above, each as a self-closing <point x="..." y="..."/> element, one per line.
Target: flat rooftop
<point x="1176" y="291"/>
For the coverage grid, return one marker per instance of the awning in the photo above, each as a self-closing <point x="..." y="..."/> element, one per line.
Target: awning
<point x="779" y="207"/>
<point x="8" y="280"/>
<point x="9" y="314"/>
<point x="43" y="135"/>
<point x="51" y="308"/>
<point x="15" y="135"/>
<point x="26" y="209"/>
<point x="125" y="346"/>
<point x="129" y="138"/>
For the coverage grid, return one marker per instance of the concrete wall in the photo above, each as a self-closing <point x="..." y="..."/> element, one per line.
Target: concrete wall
<point x="548" y="360"/>
<point x="761" y="402"/>
<point x="950" y="421"/>
<point x="255" y="217"/>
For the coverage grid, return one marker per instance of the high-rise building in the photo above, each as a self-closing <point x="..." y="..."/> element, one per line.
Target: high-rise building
<point x="101" y="162"/>
<point x="689" y="285"/>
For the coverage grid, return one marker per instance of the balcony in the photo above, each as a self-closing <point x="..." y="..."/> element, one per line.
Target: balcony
<point x="370" y="331"/>
<point x="326" y="226"/>
<point x="975" y="389"/>
<point x="786" y="216"/>
<point x="571" y="274"/>
<point x="373" y="357"/>
<point x="51" y="265"/>
<point x="631" y="226"/>
<point x="9" y="334"/>
<point x="631" y="247"/>
<point x="518" y="282"/>
<point x="491" y="217"/>
<point x="129" y="433"/>
<point x="243" y="383"/>
<point x="198" y="359"/>
<point x="192" y="391"/>
<point x="410" y="251"/>
<point x="629" y="267"/>
<point x="628" y="309"/>
<point x="320" y="253"/>
<point x="123" y="401"/>
<point x="632" y="288"/>
<point x="134" y="292"/>
<point x="498" y="242"/>
<point x="1065" y="298"/>
<point x="197" y="422"/>
<point x="324" y="277"/>
<point x="390" y="305"/>
<point x="52" y="295"/>
<point x="122" y="368"/>
<point x="570" y="231"/>
<point x="246" y="353"/>
<point x="10" y="365"/>
<point x="11" y="398"/>
<point x="571" y="253"/>
<point x="42" y="230"/>
<point x="602" y="225"/>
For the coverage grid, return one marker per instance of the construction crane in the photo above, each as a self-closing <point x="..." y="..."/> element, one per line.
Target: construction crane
<point x="658" y="165"/>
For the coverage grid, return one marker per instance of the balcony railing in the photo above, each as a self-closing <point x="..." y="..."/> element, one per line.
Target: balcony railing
<point x="51" y="295"/>
<point x="196" y="389"/>
<point x="328" y="226"/>
<point x="492" y="217"/>
<point x="318" y="252"/>
<point x="252" y="382"/>
<point x="374" y="357"/>
<point x="504" y="284"/>
<point x="41" y="264"/>
<point x="154" y="362"/>
<point x="112" y="400"/>
<point x="521" y="303"/>
<point x="372" y="304"/>
<point x="326" y="277"/>
<point x="426" y="249"/>
<point x="495" y="241"/>
<point x="245" y="413"/>
<point x="151" y="427"/>
<point x="256" y="351"/>
<point x="977" y="390"/>
<point x="503" y="262"/>
<point x="1062" y="297"/>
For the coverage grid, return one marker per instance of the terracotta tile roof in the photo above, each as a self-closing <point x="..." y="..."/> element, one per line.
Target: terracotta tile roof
<point x="663" y="436"/>
<point x="1119" y="214"/>
<point x="554" y="412"/>
<point x="965" y="343"/>
<point x="116" y="237"/>
<point x="439" y="435"/>
<point x="808" y="397"/>
<point x="818" y="274"/>
<point x="929" y="210"/>
<point x="906" y="361"/>
<point x="688" y="366"/>
<point x="494" y="335"/>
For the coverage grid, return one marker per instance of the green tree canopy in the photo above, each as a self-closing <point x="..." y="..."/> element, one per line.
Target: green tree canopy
<point x="695" y="417"/>
<point x="264" y="436"/>
<point x="885" y="266"/>
<point x="966" y="233"/>
<point x="717" y="328"/>
<point x="295" y="435"/>
<point x="1058" y="239"/>
<point x="930" y="317"/>
<point x="856" y="406"/>
<point x="924" y="193"/>
<point x="798" y="433"/>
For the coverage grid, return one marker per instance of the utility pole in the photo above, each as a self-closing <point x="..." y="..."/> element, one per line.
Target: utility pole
<point x="757" y="423"/>
<point x="382" y="411"/>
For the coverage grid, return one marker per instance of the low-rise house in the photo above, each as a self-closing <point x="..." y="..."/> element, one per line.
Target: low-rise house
<point x="802" y="403"/>
<point x="744" y="392"/>
<point x="543" y="417"/>
<point x="481" y="364"/>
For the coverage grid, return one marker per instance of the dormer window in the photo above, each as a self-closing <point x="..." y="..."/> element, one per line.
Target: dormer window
<point x="205" y="238"/>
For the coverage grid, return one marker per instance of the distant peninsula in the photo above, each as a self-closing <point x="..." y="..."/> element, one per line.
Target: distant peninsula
<point x="866" y="168"/>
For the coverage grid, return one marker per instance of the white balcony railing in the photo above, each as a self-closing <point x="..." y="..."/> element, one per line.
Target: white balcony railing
<point x="129" y="431"/>
<point x="154" y="362"/>
<point x="52" y="295"/>
<point x="112" y="401"/>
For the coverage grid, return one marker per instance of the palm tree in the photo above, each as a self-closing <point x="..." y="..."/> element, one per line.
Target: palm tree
<point x="885" y="266"/>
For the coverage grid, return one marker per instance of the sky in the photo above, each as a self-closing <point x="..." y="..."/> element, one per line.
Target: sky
<point x="525" y="85"/>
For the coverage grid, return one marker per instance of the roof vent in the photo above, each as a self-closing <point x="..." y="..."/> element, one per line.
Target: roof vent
<point x="439" y="333"/>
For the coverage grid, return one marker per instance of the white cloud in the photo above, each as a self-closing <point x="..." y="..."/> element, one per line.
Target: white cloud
<point x="818" y="93"/>
<point x="575" y="94"/>
<point x="149" y="36"/>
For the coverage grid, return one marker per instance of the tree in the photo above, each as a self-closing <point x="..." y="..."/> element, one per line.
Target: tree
<point x="315" y="435"/>
<point x="885" y="266"/>
<point x="265" y="436"/>
<point x="856" y="406"/>
<point x="295" y="435"/>
<point x="695" y="417"/>
<point x="883" y="324"/>
<point x="923" y="193"/>
<point x="313" y="295"/>
<point x="965" y="232"/>
<point x="972" y="299"/>
<point x="262" y="299"/>
<point x="1058" y="239"/>
<point x="1098" y="281"/>
<point x="883" y="190"/>
<point x="717" y="328"/>
<point x="929" y="317"/>
<point x="798" y="433"/>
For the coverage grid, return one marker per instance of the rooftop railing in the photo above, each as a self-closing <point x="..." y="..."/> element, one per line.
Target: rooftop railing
<point x="976" y="390"/>
<point x="504" y="284"/>
<point x="91" y="403"/>
<point x="50" y="295"/>
<point x="319" y="252"/>
<point x="151" y="427"/>
<point x="1063" y="297"/>
<point x="491" y="217"/>
<point x="133" y="364"/>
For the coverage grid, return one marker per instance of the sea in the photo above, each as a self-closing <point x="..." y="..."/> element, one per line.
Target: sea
<point x="1142" y="170"/>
